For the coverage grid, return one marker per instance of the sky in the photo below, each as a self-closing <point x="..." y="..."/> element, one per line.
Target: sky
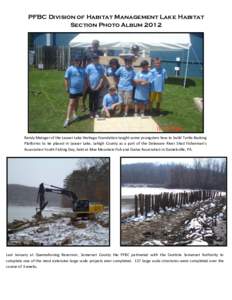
<point x="161" y="160"/>
<point x="33" y="171"/>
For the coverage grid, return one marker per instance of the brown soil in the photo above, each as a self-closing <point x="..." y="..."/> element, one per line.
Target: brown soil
<point x="168" y="226"/>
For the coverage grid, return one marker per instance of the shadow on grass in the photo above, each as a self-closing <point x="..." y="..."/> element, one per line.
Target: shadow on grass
<point x="164" y="113"/>
<point x="180" y="81"/>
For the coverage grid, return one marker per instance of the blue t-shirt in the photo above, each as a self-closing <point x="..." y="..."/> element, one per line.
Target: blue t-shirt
<point x="158" y="77"/>
<point x="109" y="100"/>
<point x="126" y="76"/>
<point x="95" y="73"/>
<point x="76" y="79"/>
<point x="110" y="71"/>
<point x="142" y="91"/>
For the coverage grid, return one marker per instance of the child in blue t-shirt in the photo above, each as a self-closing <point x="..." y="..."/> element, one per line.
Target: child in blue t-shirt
<point x="75" y="83"/>
<point x="110" y="71"/>
<point x="126" y="75"/>
<point x="95" y="75"/>
<point x="158" y="76"/>
<point x="142" y="90"/>
<point x="111" y="102"/>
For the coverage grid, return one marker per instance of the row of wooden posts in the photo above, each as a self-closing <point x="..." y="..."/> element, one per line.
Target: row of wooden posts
<point x="145" y="203"/>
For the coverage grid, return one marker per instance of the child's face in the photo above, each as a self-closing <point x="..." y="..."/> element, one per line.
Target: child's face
<point x="157" y="64"/>
<point x="112" y="93"/>
<point x="113" y="66"/>
<point x="77" y="63"/>
<point x="128" y="63"/>
<point x="145" y="68"/>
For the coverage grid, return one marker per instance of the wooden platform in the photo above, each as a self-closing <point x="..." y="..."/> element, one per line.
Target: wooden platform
<point x="126" y="124"/>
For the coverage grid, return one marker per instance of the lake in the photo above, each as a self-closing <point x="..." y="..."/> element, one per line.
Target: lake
<point x="26" y="212"/>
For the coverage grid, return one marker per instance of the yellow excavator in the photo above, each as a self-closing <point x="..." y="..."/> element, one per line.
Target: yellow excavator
<point x="82" y="208"/>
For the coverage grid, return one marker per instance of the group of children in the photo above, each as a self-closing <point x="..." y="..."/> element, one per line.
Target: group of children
<point x="126" y="87"/>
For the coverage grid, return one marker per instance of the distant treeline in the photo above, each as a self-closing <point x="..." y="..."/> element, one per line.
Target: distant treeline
<point x="203" y="174"/>
<point x="22" y="195"/>
<point x="90" y="181"/>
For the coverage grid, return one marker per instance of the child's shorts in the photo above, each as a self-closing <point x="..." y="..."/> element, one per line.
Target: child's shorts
<point x="138" y="101"/>
<point x="75" y="96"/>
<point x="126" y="96"/>
<point x="156" y="97"/>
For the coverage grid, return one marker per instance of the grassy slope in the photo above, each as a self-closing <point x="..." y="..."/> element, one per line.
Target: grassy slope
<point x="48" y="104"/>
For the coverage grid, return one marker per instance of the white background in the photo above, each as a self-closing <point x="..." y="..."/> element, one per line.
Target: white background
<point x="113" y="281"/>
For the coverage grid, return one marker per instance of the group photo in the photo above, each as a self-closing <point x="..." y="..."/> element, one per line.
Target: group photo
<point x="115" y="82"/>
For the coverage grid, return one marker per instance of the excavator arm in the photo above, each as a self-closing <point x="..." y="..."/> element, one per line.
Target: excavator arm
<point x="57" y="190"/>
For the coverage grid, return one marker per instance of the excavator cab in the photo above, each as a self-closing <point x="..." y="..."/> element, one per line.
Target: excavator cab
<point x="81" y="206"/>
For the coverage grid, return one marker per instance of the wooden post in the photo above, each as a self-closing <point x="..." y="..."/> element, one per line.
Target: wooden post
<point x="147" y="206"/>
<point x="136" y="206"/>
<point x="141" y="204"/>
<point x="152" y="203"/>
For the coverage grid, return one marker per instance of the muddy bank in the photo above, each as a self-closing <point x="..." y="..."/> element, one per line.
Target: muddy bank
<point x="201" y="223"/>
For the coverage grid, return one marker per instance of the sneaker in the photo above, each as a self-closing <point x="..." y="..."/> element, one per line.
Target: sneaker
<point x="125" y="114"/>
<point x="97" y="116"/>
<point x="74" y="118"/>
<point x="142" y="115"/>
<point x="66" y="123"/>
<point x="135" y="115"/>
<point x="91" y="116"/>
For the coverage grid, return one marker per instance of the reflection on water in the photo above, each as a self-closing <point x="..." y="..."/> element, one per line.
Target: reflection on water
<point x="26" y="212"/>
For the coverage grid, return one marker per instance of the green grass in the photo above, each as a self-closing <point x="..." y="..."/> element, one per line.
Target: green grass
<point x="48" y="104"/>
<point x="179" y="113"/>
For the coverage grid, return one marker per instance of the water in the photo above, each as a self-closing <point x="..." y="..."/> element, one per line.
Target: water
<point x="129" y="192"/>
<point x="26" y="212"/>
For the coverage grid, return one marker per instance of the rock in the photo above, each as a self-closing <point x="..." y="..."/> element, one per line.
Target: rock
<point x="66" y="241"/>
<point x="42" y="229"/>
<point x="79" y="224"/>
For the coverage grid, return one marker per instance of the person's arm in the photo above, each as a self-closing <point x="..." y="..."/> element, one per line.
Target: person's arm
<point x="87" y="78"/>
<point x="86" y="85"/>
<point x="138" y="81"/>
<point x="100" y="84"/>
<point x="117" y="73"/>
<point x="66" y="80"/>
<point x="66" y="84"/>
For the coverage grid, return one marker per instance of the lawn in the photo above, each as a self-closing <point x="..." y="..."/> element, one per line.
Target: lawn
<point x="48" y="103"/>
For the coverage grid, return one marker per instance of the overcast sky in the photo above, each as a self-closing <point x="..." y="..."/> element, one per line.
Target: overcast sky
<point x="33" y="171"/>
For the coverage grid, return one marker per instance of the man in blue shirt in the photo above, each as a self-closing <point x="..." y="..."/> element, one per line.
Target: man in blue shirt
<point x="95" y="76"/>
<point x="126" y="75"/>
<point x="111" y="101"/>
<point x="142" y="90"/>
<point x="75" y="83"/>
<point x="158" y="76"/>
